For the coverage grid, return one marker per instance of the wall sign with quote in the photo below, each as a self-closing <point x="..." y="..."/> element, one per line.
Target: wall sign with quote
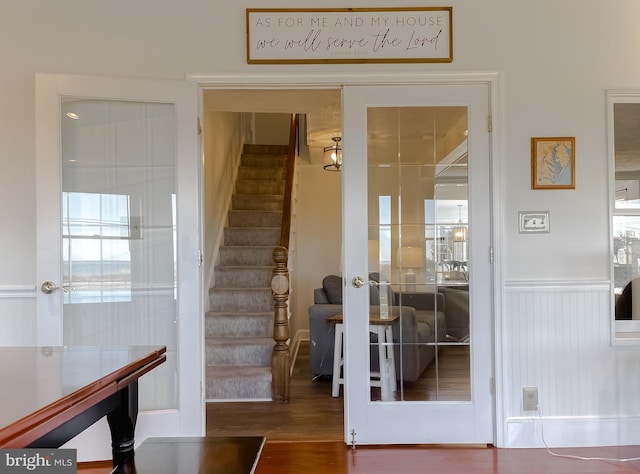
<point x="349" y="35"/>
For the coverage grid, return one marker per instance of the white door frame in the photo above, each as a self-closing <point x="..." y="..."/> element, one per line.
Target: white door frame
<point x="336" y="80"/>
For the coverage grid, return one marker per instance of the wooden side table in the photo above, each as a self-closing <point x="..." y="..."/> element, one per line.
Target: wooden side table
<point x="51" y="394"/>
<point x="386" y="377"/>
<point x="195" y="455"/>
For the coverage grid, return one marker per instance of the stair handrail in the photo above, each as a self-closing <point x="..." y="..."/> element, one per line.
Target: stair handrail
<point x="292" y="152"/>
<point x="280" y="284"/>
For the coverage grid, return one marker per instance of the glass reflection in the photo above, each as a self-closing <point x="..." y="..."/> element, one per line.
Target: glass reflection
<point x="418" y="253"/>
<point x="626" y="209"/>
<point x="119" y="225"/>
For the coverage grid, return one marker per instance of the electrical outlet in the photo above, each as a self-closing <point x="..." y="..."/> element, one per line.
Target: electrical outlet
<point x="530" y="398"/>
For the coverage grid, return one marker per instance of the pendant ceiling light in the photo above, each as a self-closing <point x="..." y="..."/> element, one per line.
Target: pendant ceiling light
<point x="332" y="156"/>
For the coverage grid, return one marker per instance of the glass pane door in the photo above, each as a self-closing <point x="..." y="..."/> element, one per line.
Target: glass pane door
<point x="418" y="222"/>
<point x="418" y="357"/>
<point x="118" y="234"/>
<point x="118" y="230"/>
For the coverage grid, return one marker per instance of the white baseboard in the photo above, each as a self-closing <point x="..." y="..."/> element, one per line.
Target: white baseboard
<point x="237" y="400"/>
<point x="294" y="345"/>
<point x="558" y="432"/>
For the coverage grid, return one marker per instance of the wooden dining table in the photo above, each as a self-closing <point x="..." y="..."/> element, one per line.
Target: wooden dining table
<point x="48" y="395"/>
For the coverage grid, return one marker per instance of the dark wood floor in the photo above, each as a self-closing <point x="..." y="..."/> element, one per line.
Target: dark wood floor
<point x="312" y="414"/>
<point x="332" y="457"/>
<point x="318" y="457"/>
<point x="306" y="436"/>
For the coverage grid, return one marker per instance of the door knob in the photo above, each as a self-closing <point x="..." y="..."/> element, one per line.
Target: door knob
<point x="358" y="282"/>
<point x="48" y="287"/>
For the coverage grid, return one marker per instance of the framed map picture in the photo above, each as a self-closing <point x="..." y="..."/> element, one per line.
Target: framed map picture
<point x="553" y="162"/>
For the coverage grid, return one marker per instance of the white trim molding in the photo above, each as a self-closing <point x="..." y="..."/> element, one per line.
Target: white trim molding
<point x="336" y="80"/>
<point x="557" y="285"/>
<point x="573" y="431"/>
<point x="17" y="291"/>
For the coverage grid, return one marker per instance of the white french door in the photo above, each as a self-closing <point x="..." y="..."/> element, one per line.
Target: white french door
<point x="118" y="235"/>
<point x="417" y="229"/>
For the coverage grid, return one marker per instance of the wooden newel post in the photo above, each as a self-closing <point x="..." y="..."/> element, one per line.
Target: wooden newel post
<point x="281" y="358"/>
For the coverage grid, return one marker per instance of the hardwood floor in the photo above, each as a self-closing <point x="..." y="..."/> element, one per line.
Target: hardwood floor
<point x="449" y="380"/>
<point x="312" y="414"/>
<point x="332" y="457"/>
<point x="306" y="436"/>
<point x="321" y="457"/>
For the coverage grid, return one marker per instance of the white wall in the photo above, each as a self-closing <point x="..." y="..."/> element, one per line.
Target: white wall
<point x="223" y="140"/>
<point x="319" y="237"/>
<point x="556" y="57"/>
<point x="272" y="129"/>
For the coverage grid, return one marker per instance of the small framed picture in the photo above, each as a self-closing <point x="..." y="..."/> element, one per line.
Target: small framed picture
<point x="553" y="162"/>
<point x="533" y="222"/>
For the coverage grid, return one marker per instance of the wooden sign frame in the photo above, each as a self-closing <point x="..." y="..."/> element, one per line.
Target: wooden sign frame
<point x="349" y="35"/>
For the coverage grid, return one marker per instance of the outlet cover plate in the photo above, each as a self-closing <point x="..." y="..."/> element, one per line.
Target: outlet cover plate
<point x="530" y="398"/>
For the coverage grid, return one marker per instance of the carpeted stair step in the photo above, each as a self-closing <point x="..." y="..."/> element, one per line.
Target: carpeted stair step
<point x="241" y="299"/>
<point x="238" y="383"/>
<point x="246" y="255"/>
<point x="254" y="236"/>
<point x="239" y="352"/>
<point x="258" y="149"/>
<point x="244" y="218"/>
<point x="253" y="186"/>
<point x="261" y="173"/>
<point x="263" y="161"/>
<point x="238" y="324"/>
<point x="267" y="202"/>
<point x="243" y="276"/>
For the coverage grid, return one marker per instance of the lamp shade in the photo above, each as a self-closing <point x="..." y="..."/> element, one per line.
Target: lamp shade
<point x="374" y="256"/>
<point x="460" y="233"/>
<point x="410" y="257"/>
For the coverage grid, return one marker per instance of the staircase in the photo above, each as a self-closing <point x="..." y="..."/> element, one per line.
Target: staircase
<point x="239" y="324"/>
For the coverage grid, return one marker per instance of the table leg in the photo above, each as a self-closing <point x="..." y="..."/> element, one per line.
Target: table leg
<point x="388" y="331"/>
<point x="386" y="362"/>
<point x="122" y="423"/>
<point x="338" y="361"/>
<point x="127" y="467"/>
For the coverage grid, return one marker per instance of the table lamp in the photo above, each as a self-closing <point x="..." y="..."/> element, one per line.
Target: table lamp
<point x="410" y="258"/>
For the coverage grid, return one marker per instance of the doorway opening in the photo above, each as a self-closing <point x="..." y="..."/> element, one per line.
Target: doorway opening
<point x="234" y="118"/>
<point x="324" y="209"/>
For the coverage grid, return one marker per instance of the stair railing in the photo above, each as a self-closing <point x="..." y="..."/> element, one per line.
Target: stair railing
<point x="280" y="285"/>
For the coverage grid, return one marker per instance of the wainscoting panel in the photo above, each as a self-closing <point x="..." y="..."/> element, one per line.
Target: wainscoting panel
<point x="556" y="337"/>
<point x="18" y="316"/>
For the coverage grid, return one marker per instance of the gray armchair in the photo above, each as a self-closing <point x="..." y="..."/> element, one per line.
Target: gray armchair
<point x="422" y="320"/>
<point x="456" y="301"/>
